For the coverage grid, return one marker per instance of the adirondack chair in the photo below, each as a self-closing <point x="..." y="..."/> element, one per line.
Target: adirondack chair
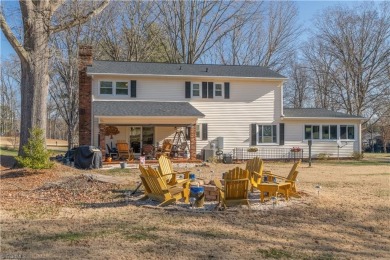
<point x="157" y="189"/>
<point x="235" y="191"/>
<point x="144" y="173"/>
<point x="165" y="149"/>
<point x="166" y="170"/>
<point x="255" y="168"/>
<point x="124" y="152"/>
<point x="290" y="179"/>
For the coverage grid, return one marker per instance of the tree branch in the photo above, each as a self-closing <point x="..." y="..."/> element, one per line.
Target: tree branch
<point x="19" y="49"/>
<point x="80" y="20"/>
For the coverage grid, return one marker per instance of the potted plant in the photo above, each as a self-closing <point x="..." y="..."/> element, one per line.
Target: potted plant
<point x="295" y="149"/>
<point x="252" y="149"/>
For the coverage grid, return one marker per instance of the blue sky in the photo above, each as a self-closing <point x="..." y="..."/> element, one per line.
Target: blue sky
<point x="307" y="10"/>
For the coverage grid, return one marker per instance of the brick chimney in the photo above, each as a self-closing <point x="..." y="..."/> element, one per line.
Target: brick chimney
<point x="85" y="95"/>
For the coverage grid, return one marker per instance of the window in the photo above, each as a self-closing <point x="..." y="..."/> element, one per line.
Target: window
<point x="106" y="87"/>
<point x="347" y="132"/>
<point x="122" y="88"/>
<point x="196" y="90"/>
<point x="329" y="132"/>
<point x="218" y="90"/>
<point x="114" y="88"/>
<point x="266" y="134"/>
<point x="197" y="131"/>
<point x="312" y="132"/>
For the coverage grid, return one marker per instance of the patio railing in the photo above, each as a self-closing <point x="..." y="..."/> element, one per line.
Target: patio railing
<point x="267" y="153"/>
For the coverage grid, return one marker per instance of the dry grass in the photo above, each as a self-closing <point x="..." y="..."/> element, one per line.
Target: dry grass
<point x="348" y="220"/>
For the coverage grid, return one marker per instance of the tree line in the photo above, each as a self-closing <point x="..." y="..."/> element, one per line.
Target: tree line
<point x="343" y="65"/>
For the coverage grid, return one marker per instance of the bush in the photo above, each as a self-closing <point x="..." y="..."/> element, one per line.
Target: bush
<point x="323" y="156"/>
<point x="35" y="154"/>
<point x="357" y="156"/>
<point x="252" y="149"/>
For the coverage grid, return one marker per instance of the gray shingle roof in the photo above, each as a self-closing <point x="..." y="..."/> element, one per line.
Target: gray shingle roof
<point x="144" y="68"/>
<point x="144" y="108"/>
<point x="316" y="113"/>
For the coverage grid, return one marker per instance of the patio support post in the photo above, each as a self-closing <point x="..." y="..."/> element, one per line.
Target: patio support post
<point x="193" y="142"/>
<point x="102" y="140"/>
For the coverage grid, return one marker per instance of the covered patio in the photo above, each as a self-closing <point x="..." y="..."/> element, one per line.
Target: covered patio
<point x="144" y="127"/>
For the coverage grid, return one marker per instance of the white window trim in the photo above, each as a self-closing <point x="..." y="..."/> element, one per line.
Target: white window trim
<point x="277" y="134"/>
<point x="200" y="131"/>
<point x="319" y="134"/>
<point x="329" y="140"/>
<point x="114" y="88"/>
<point x="192" y="89"/>
<point x="222" y="90"/>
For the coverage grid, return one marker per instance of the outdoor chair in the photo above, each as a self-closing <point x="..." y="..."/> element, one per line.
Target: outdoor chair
<point x="255" y="167"/>
<point x="165" y="149"/>
<point x="235" y="190"/>
<point x="157" y="189"/>
<point x="170" y="175"/>
<point x="124" y="152"/>
<point x="111" y="151"/>
<point x="291" y="179"/>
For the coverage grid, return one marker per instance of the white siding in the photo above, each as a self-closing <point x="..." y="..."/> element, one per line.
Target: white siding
<point x="251" y="101"/>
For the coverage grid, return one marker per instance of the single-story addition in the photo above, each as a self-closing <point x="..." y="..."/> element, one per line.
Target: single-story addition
<point x="240" y="106"/>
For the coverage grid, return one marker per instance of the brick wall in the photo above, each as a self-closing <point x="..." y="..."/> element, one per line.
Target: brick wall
<point x="193" y="142"/>
<point x="85" y="95"/>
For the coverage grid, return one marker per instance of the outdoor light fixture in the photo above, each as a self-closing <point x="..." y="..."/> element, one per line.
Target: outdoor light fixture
<point x="318" y="188"/>
<point x="274" y="200"/>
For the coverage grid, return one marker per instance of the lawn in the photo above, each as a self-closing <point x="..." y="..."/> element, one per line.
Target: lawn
<point x="61" y="214"/>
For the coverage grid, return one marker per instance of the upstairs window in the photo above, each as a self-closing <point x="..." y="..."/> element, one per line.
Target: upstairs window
<point x="106" y="87"/>
<point x="218" y="90"/>
<point x="122" y="88"/>
<point x="196" y="90"/>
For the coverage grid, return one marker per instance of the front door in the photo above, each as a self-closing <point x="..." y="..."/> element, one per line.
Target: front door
<point x="140" y="136"/>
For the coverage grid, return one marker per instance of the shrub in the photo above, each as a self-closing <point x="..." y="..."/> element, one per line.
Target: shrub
<point x="357" y="156"/>
<point x="35" y="154"/>
<point x="252" y="149"/>
<point x="323" y="156"/>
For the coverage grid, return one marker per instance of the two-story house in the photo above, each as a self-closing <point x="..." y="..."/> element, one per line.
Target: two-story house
<point x="148" y="102"/>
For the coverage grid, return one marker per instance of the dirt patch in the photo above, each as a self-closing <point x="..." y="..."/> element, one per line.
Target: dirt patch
<point x="63" y="214"/>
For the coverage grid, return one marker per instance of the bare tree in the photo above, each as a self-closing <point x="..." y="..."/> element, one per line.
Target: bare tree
<point x="38" y="25"/>
<point x="297" y="90"/>
<point x="194" y="27"/>
<point x="267" y="39"/>
<point x="10" y="89"/>
<point x="355" y="46"/>
<point x="129" y="32"/>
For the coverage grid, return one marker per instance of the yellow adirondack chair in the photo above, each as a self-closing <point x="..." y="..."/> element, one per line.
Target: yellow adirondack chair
<point x="255" y="168"/>
<point x="290" y="179"/>
<point x="166" y="170"/>
<point x="157" y="189"/>
<point x="235" y="191"/>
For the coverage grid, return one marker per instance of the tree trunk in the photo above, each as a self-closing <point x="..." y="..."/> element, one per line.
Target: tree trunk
<point x="34" y="80"/>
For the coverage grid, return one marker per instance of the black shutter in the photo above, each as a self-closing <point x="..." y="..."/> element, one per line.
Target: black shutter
<point x="204" y="131"/>
<point x="281" y="134"/>
<point x="133" y="90"/>
<point x="211" y="89"/>
<point x="253" y="134"/>
<point x="227" y="90"/>
<point x="188" y="89"/>
<point x="204" y="89"/>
